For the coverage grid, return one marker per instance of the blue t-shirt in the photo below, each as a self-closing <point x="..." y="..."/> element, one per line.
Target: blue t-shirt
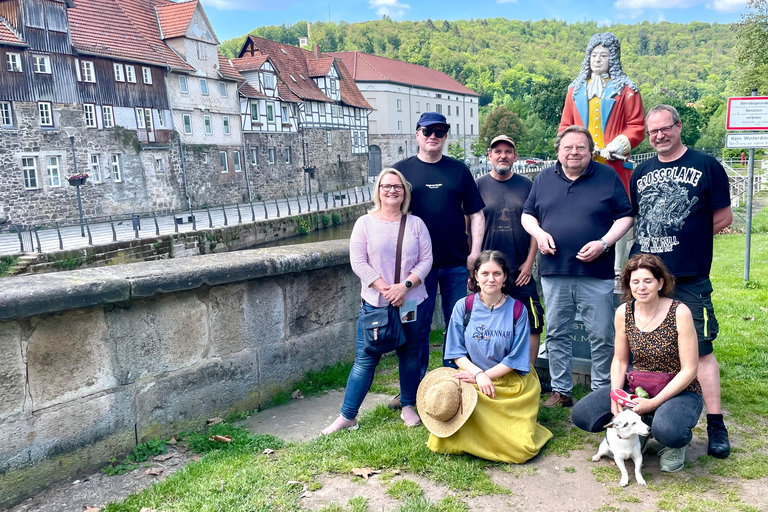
<point x="491" y="337"/>
<point x="576" y="212"/>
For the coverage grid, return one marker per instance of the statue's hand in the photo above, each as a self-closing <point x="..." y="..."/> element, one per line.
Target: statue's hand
<point x="612" y="150"/>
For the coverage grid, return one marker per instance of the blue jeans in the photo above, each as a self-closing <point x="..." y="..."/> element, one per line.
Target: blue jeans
<point x="361" y="376"/>
<point x="593" y="298"/>
<point x="672" y="421"/>
<point x="453" y="287"/>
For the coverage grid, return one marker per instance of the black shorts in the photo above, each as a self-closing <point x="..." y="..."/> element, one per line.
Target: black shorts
<point x="696" y="293"/>
<point x="528" y="295"/>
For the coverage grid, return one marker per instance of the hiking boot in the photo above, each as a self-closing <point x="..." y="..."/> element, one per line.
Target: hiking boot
<point x="718" y="441"/>
<point x="672" y="460"/>
<point x="395" y="404"/>
<point x="556" y="399"/>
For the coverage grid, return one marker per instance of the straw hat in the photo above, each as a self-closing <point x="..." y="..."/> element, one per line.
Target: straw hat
<point x="444" y="402"/>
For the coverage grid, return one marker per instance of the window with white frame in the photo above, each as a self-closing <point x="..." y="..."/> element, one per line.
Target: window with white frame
<point x="159" y="164"/>
<point x="223" y="161"/>
<point x="271" y="153"/>
<point x="207" y="124"/>
<point x="254" y="112"/>
<point x="400" y="126"/>
<point x="322" y="108"/>
<point x="333" y="86"/>
<point x="236" y="160"/>
<point x="448" y="109"/>
<point x="161" y="118"/>
<point x="222" y="89"/>
<point x="354" y="139"/>
<point x="140" y="120"/>
<point x="54" y="172"/>
<point x="205" y="158"/>
<point x="439" y="108"/>
<point x="471" y="112"/>
<point x="328" y="137"/>
<point x="117" y="174"/>
<point x="357" y="114"/>
<point x="89" y="109"/>
<point x="13" y="62"/>
<point x="148" y="119"/>
<point x="204" y="87"/>
<point x="41" y="64"/>
<point x="46" y="115"/>
<point x="269" y="80"/>
<point x="288" y="155"/>
<point x="29" y="168"/>
<point x="286" y="116"/>
<point x="399" y="105"/>
<point x="427" y="107"/>
<point x="130" y="74"/>
<point x="119" y="73"/>
<point x="108" y="116"/>
<point x="88" y="73"/>
<point x="95" y="168"/>
<point x="6" y="114"/>
<point x="255" y="156"/>
<point x="183" y="85"/>
<point x="418" y="107"/>
<point x="225" y="121"/>
<point x="270" y="112"/>
<point x="146" y="73"/>
<point x="187" y="119"/>
<point x="457" y="110"/>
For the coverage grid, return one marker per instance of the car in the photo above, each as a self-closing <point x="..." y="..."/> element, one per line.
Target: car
<point x="534" y="161"/>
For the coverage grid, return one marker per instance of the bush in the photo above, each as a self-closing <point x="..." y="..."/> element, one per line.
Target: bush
<point x="326" y="220"/>
<point x="336" y="218"/>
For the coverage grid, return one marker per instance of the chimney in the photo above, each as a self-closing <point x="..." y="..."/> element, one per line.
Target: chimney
<point x="316" y="50"/>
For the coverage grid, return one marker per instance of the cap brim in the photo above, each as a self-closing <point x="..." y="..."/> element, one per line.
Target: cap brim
<point x="468" y="400"/>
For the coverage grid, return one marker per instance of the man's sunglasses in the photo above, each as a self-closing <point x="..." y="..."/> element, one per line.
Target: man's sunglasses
<point x="427" y="131"/>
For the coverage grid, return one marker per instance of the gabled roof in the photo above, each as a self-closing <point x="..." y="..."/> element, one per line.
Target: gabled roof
<point x="372" y="68"/>
<point x="250" y="64"/>
<point x="174" y="19"/>
<point x="293" y="66"/>
<point x="227" y="69"/>
<point x="8" y="35"/>
<point x="248" y="91"/>
<point x="122" y="29"/>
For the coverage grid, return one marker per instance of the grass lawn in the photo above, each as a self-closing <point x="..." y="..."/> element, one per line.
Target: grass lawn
<point x="241" y="478"/>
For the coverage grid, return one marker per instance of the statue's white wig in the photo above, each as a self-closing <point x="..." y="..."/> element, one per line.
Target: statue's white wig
<point x="619" y="78"/>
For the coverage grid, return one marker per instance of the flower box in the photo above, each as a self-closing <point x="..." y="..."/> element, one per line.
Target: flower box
<point x="76" y="181"/>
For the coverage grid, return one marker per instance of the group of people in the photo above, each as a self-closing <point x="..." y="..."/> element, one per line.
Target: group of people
<point x="486" y="236"/>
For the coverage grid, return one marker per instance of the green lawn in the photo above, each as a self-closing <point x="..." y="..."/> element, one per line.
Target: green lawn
<point x="241" y="478"/>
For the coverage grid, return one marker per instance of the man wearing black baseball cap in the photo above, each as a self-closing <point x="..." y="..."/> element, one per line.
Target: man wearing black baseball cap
<point x="443" y="192"/>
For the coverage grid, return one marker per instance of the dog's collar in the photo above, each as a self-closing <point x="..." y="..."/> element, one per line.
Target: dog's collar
<point x="617" y="435"/>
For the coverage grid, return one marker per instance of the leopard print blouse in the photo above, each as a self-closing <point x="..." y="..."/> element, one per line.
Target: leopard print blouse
<point x="656" y="350"/>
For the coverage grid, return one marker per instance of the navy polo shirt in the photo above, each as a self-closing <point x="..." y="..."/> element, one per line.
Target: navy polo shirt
<point x="576" y="212"/>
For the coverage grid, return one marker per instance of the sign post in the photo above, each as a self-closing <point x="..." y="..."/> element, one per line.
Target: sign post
<point x="750" y="113"/>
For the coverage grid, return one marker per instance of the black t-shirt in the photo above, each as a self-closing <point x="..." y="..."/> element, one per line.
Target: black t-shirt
<point x="442" y="193"/>
<point x="577" y="212"/>
<point x="674" y="202"/>
<point x="504" y="201"/>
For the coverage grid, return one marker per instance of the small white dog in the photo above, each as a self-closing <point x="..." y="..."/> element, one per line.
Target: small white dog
<point x="622" y="442"/>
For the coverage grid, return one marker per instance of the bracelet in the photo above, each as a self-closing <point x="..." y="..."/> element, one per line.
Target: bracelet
<point x="478" y="373"/>
<point x="605" y="245"/>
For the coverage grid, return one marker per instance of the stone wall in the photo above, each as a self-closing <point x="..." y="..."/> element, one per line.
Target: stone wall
<point x="140" y="187"/>
<point x="398" y="147"/>
<point x="98" y="360"/>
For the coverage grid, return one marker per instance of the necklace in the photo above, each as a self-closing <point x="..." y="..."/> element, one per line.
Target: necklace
<point x="487" y="305"/>
<point x="642" y="329"/>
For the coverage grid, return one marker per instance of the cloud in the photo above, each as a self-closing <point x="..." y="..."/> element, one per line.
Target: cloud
<point x="655" y="4"/>
<point x="391" y="8"/>
<point x="251" y="5"/>
<point x="506" y="1"/>
<point x="727" y="5"/>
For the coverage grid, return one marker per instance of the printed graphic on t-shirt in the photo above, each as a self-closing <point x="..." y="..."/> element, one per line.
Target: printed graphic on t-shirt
<point x="663" y="207"/>
<point x="481" y="333"/>
<point x="505" y="224"/>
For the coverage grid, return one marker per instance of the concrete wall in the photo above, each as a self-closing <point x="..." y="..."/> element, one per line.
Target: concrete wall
<point x="95" y="361"/>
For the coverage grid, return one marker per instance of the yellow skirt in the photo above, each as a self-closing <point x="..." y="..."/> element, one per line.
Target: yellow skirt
<point x="504" y="428"/>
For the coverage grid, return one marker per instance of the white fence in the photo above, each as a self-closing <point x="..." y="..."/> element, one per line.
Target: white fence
<point x="739" y="180"/>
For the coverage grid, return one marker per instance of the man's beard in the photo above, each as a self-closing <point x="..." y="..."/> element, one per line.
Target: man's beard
<point x="502" y="171"/>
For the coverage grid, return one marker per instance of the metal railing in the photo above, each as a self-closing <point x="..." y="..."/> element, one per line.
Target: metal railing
<point x="15" y="238"/>
<point x="739" y="180"/>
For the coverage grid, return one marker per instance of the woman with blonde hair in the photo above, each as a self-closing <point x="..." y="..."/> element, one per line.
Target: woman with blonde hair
<point x="372" y="254"/>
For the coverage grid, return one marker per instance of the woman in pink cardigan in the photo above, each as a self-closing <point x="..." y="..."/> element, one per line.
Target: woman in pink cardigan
<point x="372" y="249"/>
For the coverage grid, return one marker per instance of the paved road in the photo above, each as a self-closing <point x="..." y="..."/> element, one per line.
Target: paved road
<point x="50" y="239"/>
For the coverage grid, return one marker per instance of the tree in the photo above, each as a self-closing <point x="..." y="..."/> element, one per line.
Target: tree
<point x="457" y="151"/>
<point x="548" y="99"/>
<point x="752" y="48"/>
<point x="500" y="121"/>
<point x="478" y="148"/>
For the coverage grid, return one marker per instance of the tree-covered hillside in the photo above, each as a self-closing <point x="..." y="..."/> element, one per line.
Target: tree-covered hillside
<point x="527" y="66"/>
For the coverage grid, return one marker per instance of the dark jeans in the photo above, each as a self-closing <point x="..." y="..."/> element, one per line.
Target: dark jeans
<point x="453" y="287"/>
<point x="361" y="376"/>
<point x="672" y="421"/>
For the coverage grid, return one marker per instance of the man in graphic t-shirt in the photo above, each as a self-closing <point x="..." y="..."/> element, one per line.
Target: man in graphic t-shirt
<point x="681" y="198"/>
<point x="504" y="193"/>
<point x="443" y="192"/>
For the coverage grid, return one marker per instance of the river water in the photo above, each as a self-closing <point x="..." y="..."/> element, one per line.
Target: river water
<point x="341" y="232"/>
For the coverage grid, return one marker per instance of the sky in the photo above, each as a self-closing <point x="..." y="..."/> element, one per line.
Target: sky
<point x="232" y="18"/>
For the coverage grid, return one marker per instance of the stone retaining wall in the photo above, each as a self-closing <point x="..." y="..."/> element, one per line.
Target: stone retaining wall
<point x="95" y="361"/>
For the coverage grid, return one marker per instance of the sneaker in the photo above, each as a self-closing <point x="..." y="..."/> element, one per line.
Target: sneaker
<point x="672" y="460"/>
<point x="395" y="404"/>
<point x="718" y="441"/>
<point x="556" y="399"/>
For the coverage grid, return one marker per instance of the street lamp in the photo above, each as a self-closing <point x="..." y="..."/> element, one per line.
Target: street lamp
<point x="71" y="131"/>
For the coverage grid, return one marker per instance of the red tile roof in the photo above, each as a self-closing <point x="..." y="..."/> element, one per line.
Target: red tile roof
<point x="372" y="68"/>
<point x="228" y="70"/>
<point x="291" y="61"/>
<point x="320" y="67"/>
<point x="250" y="64"/>
<point x="122" y="29"/>
<point x="8" y="35"/>
<point x="248" y="91"/>
<point x="175" y="18"/>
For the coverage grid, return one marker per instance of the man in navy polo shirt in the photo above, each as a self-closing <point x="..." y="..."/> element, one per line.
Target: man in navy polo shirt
<point x="576" y="211"/>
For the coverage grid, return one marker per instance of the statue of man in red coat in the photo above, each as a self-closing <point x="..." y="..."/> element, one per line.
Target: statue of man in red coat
<point x="605" y="101"/>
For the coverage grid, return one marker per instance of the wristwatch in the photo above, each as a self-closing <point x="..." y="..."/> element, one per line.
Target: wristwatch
<point x="408" y="284"/>
<point x="605" y="245"/>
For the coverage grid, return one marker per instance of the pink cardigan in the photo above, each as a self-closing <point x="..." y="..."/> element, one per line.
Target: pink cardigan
<point x="372" y="248"/>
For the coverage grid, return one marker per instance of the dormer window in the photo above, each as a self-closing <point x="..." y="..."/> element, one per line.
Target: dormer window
<point x="268" y="79"/>
<point x="333" y="86"/>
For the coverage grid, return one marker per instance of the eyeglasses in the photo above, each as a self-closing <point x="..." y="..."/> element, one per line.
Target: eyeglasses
<point x="664" y="131"/>
<point x="579" y="148"/>
<point x="427" y="131"/>
<point x="387" y="187"/>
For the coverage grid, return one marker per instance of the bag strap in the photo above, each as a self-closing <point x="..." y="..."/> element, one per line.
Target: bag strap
<point x="469" y="302"/>
<point x="399" y="256"/>
<point x="518" y="310"/>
